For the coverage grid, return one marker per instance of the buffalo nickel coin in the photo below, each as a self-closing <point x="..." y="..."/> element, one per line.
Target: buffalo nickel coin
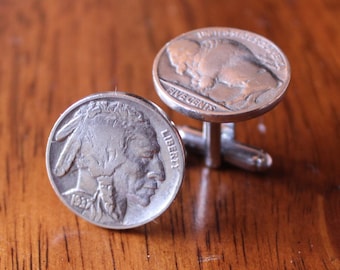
<point x="115" y="160"/>
<point x="221" y="74"/>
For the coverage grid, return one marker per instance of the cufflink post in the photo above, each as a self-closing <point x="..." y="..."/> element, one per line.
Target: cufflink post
<point x="230" y="151"/>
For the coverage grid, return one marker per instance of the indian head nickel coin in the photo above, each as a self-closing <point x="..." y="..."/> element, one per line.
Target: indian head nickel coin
<point x="115" y="160"/>
<point x="221" y="74"/>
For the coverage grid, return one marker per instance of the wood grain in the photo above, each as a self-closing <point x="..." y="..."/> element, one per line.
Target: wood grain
<point x="56" y="52"/>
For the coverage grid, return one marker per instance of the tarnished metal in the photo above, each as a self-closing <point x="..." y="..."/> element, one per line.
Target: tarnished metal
<point x="115" y="160"/>
<point x="220" y="75"/>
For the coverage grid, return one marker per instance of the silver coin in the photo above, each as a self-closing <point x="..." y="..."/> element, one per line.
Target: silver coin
<point x="115" y="160"/>
<point x="221" y="74"/>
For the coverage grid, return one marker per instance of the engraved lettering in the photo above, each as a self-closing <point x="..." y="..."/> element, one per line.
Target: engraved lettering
<point x="172" y="149"/>
<point x="190" y="100"/>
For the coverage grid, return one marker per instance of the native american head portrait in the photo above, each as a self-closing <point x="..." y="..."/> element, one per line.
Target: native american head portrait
<point x="115" y="152"/>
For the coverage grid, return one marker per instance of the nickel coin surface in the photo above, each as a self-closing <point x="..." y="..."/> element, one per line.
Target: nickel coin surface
<point x="221" y="74"/>
<point x="115" y="160"/>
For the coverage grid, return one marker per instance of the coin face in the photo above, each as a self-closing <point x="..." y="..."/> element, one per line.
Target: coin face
<point x="115" y="160"/>
<point x="221" y="74"/>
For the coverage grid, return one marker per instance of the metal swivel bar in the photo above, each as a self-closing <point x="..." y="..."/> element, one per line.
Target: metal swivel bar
<point x="217" y="143"/>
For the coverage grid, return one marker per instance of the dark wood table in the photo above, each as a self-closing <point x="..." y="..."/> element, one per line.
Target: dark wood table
<point x="56" y="52"/>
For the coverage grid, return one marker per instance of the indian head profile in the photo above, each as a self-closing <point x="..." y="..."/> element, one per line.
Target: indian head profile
<point x="222" y="63"/>
<point x="115" y="152"/>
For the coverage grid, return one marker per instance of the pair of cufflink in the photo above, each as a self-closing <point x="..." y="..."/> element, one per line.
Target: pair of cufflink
<point x="117" y="161"/>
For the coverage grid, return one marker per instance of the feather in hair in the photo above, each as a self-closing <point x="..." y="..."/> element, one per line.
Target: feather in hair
<point x="68" y="154"/>
<point x="68" y="128"/>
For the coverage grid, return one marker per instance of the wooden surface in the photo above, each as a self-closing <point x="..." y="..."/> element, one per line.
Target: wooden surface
<point x="56" y="52"/>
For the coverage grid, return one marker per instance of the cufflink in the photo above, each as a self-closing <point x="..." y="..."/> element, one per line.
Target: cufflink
<point x="115" y="160"/>
<point x="221" y="76"/>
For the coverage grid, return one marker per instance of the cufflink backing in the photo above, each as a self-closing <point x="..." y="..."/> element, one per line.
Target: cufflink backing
<point x="221" y="76"/>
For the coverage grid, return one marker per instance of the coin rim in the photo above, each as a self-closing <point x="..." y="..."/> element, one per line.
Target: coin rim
<point x="134" y="98"/>
<point x="211" y="116"/>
